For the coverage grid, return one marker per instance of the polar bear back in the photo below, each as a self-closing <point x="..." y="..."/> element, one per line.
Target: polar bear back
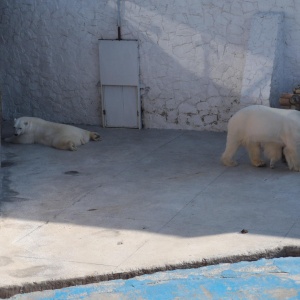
<point x="259" y="123"/>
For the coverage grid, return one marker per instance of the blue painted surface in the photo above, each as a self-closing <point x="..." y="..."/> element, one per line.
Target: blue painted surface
<point x="264" y="279"/>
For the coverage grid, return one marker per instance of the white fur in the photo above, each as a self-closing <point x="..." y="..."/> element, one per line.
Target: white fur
<point x="29" y="130"/>
<point x="273" y="129"/>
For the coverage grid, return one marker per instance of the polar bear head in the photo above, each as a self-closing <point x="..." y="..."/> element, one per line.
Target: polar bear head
<point x="20" y="126"/>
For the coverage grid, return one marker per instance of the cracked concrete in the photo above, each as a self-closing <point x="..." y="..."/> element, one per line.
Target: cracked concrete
<point x="137" y="199"/>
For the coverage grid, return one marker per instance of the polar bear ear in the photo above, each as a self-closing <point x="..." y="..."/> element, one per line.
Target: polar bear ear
<point x="15" y="119"/>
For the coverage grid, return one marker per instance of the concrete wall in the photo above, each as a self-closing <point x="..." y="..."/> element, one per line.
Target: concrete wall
<point x="192" y="57"/>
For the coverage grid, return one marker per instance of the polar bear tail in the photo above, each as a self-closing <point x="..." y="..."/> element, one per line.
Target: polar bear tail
<point x="94" y="136"/>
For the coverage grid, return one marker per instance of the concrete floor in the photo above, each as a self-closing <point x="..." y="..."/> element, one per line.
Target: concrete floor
<point x="137" y="199"/>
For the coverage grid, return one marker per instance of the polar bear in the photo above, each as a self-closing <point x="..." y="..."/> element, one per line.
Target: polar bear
<point x="273" y="129"/>
<point x="30" y="130"/>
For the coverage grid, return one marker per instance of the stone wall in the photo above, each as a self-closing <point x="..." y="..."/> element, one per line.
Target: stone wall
<point x="193" y="57"/>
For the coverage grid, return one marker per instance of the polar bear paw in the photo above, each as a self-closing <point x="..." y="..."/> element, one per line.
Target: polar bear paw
<point x="94" y="136"/>
<point x="228" y="162"/>
<point x="72" y="146"/>
<point x="259" y="163"/>
<point x="8" y="140"/>
<point x="295" y="168"/>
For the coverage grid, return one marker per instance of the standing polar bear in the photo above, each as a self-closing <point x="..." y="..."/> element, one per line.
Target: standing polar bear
<point x="272" y="129"/>
<point x="29" y="130"/>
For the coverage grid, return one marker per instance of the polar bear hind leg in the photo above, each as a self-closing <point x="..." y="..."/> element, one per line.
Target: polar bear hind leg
<point x="232" y="146"/>
<point x="94" y="136"/>
<point x="71" y="146"/>
<point x="254" y="154"/>
<point x="292" y="158"/>
<point x="68" y="145"/>
<point x="64" y="144"/>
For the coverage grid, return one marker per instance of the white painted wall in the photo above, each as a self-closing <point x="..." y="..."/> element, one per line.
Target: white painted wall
<point x="192" y="57"/>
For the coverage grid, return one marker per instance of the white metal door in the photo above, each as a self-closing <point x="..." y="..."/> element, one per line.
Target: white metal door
<point x="119" y="78"/>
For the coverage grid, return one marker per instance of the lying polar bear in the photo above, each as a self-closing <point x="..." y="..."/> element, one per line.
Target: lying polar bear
<point x="29" y="130"/>
<point x="272" y="129"/>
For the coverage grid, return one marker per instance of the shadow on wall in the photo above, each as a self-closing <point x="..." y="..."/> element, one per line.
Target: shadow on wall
<point x="192" y="77"/>
<point x="50" y="59"/>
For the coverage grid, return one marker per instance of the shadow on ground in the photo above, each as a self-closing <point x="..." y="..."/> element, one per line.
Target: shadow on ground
<point x="150" y="180"/>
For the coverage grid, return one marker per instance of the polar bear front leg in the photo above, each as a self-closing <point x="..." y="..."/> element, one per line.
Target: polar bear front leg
<point x="20" y="139"/>
<point x="11" y="139"/>
<point x="254" y="154"/>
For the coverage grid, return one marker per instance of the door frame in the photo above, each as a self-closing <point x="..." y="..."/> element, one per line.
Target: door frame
<point x="103" y="111"/>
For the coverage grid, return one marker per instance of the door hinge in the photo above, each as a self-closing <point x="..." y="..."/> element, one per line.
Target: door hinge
<point x="104" y="112"/>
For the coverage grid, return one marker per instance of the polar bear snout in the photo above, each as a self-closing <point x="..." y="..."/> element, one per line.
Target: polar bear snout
<point x="18" y="131"/>
<point x="19" y="127"/>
